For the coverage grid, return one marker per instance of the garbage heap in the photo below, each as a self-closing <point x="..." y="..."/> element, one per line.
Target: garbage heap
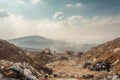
<point x="17" y="71"/>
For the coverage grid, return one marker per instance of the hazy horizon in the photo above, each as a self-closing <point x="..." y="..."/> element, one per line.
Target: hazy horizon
<point x="78" y="21"/>
<point x="58" y="39"/>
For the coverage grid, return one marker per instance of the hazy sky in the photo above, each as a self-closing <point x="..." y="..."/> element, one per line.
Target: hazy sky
<point x="81" y="21"/>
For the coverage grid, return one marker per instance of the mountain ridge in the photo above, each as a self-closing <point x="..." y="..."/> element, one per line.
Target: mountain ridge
<point x="38" y="42"/>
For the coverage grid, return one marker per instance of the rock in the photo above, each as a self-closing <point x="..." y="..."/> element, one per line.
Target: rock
<point x="117" y="61"/>
<point x="116" y="50"/>
<point x="87" y="65"/>
<point x="115" y="77"/>
<point x="87" y="76"/>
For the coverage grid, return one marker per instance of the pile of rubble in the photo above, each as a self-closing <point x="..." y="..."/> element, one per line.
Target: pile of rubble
<point x="69" y="72"/>
<point x="106" y="55"/>
<point x="17" y="71"/>
<point x="101" y="66"/>
<point x="13" y="54"/>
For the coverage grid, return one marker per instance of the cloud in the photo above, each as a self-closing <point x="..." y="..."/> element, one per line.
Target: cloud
<point x="21" y="1"/>
<point x="74" y="28"/>
<point x="59" y="15"/>
<point x="99" y="29"/>
<point x="35" y="1"/>
<point x="78" y="4"/>
<point x="73" y="5"/>
<point x="69" y="5"/>
<point x="77" y="19"/>
<point x="28" y="1"/>
<point x="4" y="13"/>
<point x="80" y="29"/>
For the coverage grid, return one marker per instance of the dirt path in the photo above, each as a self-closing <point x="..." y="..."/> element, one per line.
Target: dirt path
<point x="68" y="70"/>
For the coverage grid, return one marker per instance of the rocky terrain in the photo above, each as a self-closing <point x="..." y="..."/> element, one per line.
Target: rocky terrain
<point x="69" y="65"/>
<point x="14" y="54"/>
<point x="109" y="51"/>
<point x="73" y="69"/>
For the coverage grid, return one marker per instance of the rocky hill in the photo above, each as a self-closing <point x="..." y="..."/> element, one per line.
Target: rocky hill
<point x="11" y="52"/>
<point x="109" y="51"/>
<point x="14" y="54"/>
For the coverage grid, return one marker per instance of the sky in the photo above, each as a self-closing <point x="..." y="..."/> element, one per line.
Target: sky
<point x="78" y="21"/>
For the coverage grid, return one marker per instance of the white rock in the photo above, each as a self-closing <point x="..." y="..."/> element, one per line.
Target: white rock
<point x="117" y="49"/>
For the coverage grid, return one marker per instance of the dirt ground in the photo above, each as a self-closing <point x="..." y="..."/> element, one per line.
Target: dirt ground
<point x="69" y="70"/>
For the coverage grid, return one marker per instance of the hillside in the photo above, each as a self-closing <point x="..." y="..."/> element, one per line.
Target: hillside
<point x="11" y="52"/>
<point x="39" y="43"/>
<point x="72" y="69"/>
<point x="109" y="51"/>
<point x="14" y="54"/>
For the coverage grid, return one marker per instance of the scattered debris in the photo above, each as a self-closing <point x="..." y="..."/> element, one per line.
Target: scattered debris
<point x="87" y="65"/>
<point x="116" y="50"/>
<point x="101" y="66"/>
<point x="101" y="60"/>
<point x="17" y="72"/>
<point x="87" y="76"/>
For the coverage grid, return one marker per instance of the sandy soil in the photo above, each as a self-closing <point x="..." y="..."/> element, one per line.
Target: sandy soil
<point x="69" y="70"/>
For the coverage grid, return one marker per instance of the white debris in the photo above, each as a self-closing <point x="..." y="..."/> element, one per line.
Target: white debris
<point x="116" y="62"/>
<point x="116" y="50"/>
<point x="115" y="77"/>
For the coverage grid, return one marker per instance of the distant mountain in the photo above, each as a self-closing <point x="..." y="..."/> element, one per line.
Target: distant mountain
<point x="38" y="42"/>
<point x="35" y="42"/>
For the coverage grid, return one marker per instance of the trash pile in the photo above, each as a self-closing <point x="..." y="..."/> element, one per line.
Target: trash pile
<point x="17" y="71"/>
<point x="101" y="66"/>
<point x="14" y="54"/>
<point x="105" y="57"/>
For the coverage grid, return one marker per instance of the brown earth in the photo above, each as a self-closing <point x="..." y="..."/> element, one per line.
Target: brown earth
<point x="68" y="70"/>
<point x="12" y="53"/>
<point x="109" y="51"/>
<point x="15" y="54"/>
<point x="63" y="65"/>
